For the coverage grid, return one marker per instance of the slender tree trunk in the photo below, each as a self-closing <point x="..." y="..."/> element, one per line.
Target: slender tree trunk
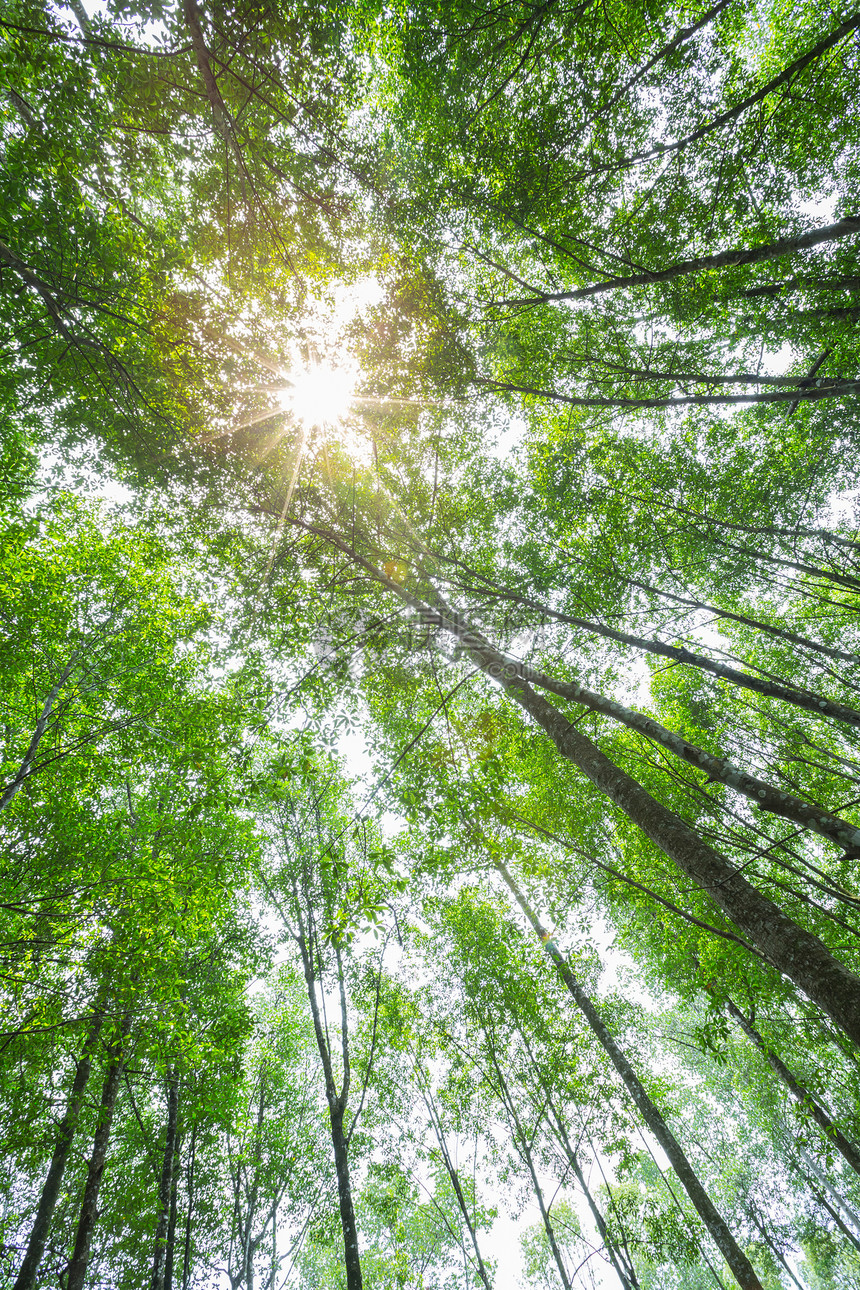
<point x="336" y="1103"/>
<point x="166" y="1184"/>
<point x="716" y="1225"/>
<point x="26" y="1279"/>
<point x="77" y="1269"/>
<point x="790" y="948"/>
<point x="734" y="258"/>
<point x="436" y="1123"/>
<point x="718" y="769"/>
<point x="808" y="700"/>
<point x="802" y="1095"/>
<point x="835" y="388"/>
<point x="186" y="1253"/>
<point x="772" y="1246"/>
<point x="835" y="1215"/>
<point x="170" y="1254"/>
<point x="626" y="1273"/>
<point x="25" y="769"/>
<point x="221" y="116"/>
<point x="829" y="1185"/>
<point x="781" y="633"/>
<point x="521" y="1139"/>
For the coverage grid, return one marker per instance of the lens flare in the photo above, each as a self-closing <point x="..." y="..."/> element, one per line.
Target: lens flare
<point x="319" y="395"/>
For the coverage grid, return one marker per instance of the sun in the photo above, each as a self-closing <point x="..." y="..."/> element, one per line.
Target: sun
<point x="319" y="395"/>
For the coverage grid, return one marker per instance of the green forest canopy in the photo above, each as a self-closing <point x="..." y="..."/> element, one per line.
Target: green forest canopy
<point x="429" y="591"/>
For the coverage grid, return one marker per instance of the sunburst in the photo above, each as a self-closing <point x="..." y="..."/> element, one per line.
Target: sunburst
<point x="319" y="394"/>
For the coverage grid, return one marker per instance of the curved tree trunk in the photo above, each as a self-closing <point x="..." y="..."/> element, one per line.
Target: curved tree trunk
<point x="734" y="258"/>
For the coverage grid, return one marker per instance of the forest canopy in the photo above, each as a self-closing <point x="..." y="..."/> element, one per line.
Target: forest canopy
<point x="429" y="592"/>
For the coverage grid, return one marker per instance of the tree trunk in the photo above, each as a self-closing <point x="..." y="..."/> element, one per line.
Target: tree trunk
<point x="186" y="1253"/>
<point x="800" y="1094"/>
<point x="770" y="1243"/>
<point x="77" y="1269"/>
<point x="169" y="1258"/>
<point x="738" y="1262"/>
<point x="26" y="767"/>
<point x="797" y="953"/>
<point x="765" y="796"/>
<point x="166" y="1186"/>
<point x="336" y="1101"/>
<point x="813" y="394"/>
<point x="808" y="700"/>
<point x="521" y="1140"/>
<point x="623" y="1267"/>
<point x="352" y="1261"/>
<point x="790" y="948"/>
<point x="768" y="628"/>
<point x="848" y="227"/>
<point x="836" y="1216"/>
<point x="26" y="1279"/>
<point x="454" y="1177"/>
<point x="830" y="1186"/>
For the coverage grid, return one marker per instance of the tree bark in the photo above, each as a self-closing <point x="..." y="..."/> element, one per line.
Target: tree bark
<point x="15" y="784"/>
<point x="790" y="948"/>
<point x="220" y="114"/>
<point x="731" y="114"/>
<point x="716" y="1225"/>
<point x="526" y="1155"/>
<point x="166" y="1186"/>
<point x="771" y="1244"/>
<point x="766" y="796"/>
<point x="77" y="1269"/>
<point x="170" y="1254"/>
<point x="829" y="1185"/>
<point x="623" y="1267"/>
<point x="837" y="1217"/>
<point x="336" y="1106"/>
<point x="352" y="1260"/>
<point x="436" y="1123"/>
<point x="27" y="1274"/>
<point x="768" y="628"/>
